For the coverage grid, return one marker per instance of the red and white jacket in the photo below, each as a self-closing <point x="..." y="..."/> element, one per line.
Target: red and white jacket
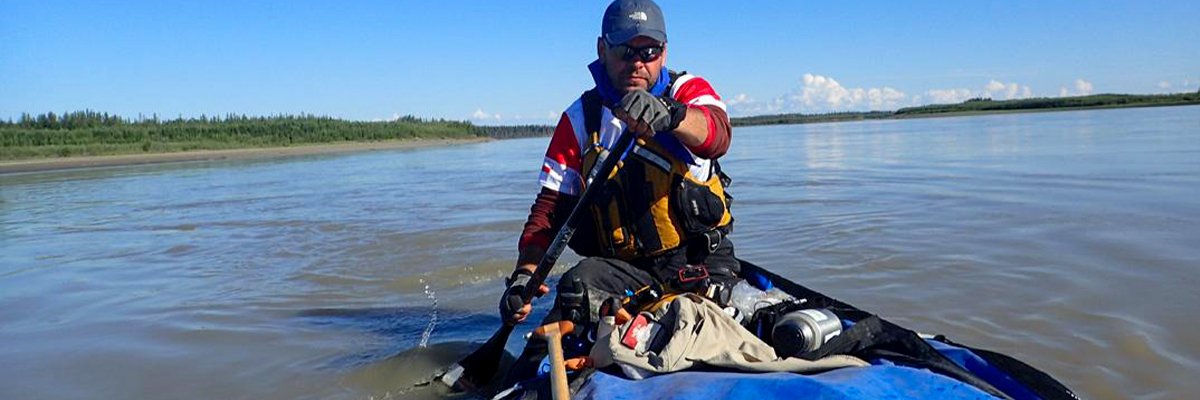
<point x="561" y="167"/>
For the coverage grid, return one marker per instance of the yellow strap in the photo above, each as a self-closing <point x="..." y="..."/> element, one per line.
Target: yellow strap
<point x="666" y="299"/>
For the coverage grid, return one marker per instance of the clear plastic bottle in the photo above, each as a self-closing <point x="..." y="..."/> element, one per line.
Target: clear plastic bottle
<point x="747" y="299"/>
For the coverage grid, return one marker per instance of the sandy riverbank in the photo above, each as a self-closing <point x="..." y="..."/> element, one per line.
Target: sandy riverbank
<point x="50" y="164"/>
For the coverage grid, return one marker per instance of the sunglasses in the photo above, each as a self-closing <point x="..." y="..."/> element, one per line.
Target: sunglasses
<point x="646" y="54"/>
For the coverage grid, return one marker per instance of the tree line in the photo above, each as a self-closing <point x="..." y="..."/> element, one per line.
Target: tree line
<point x="1090" y="101"/>
<point x="95" y="133"/>
<point x="982" y="105"/>
<point x="90" y="132"/>
<point x="517" y="131"/>
<point x="786" y="119"/>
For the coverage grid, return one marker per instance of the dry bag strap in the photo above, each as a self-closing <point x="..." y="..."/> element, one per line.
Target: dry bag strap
<point x="591" y="111"/>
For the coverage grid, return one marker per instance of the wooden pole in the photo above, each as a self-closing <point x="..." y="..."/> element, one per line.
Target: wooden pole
<point x="553" y="334"/>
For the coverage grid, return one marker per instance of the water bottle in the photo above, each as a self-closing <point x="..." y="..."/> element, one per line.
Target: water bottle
<point x="802" y="331"/>
<point x="747" y="299"/>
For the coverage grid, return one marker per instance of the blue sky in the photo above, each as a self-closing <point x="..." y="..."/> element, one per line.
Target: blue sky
<point x="524" y="61"/>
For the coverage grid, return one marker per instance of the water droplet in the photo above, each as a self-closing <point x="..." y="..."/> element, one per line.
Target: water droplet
<point x="433" y="316"/>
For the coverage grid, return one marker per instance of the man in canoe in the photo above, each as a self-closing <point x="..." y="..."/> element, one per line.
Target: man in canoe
<point x="663" y="216"/>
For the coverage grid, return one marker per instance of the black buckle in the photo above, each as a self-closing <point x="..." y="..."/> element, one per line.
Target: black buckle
<point x="700" y="246"/>
<point x="714" y="239"/>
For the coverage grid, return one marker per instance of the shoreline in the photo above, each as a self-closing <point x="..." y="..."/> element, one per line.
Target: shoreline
<point x="1035" y="110"/>
<point x="866" y="115"/>
<point x="65" y="163"/>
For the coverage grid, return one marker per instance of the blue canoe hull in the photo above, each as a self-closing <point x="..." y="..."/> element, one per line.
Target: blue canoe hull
<point x="874" y="382"/>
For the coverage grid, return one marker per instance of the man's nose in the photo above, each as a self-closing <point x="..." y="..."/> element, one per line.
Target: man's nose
<point x="636" y="63"/>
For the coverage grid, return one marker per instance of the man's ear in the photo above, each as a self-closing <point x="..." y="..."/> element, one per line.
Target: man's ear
<point x="600" y="49"/>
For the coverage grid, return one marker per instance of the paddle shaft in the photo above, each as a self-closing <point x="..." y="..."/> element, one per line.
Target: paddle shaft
<point x="480" y="365"/>
<point x="596" y="179"/>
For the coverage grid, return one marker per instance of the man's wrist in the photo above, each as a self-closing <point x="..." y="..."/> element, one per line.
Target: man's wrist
<point x="676" y="109"/>
<point x="518" y="274"/>
<point x="693" y="130"/>
<point x="530" y="255"/>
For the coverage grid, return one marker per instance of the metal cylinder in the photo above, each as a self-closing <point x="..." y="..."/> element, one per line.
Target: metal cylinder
<point x="802" y="331"/>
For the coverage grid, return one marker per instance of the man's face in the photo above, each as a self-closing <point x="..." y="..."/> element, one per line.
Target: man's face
<point x="635" y="73"/>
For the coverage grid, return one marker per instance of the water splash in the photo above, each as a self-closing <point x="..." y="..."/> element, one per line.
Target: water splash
<point x="433" y="315"/>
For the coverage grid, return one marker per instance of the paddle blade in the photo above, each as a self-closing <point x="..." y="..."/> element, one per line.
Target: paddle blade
<point x="479" y="367"/>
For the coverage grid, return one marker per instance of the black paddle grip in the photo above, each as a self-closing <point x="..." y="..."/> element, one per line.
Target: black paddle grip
<point x="514" y="301"/>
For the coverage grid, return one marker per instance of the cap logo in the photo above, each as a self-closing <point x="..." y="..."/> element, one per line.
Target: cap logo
<point x="638" y="16"/>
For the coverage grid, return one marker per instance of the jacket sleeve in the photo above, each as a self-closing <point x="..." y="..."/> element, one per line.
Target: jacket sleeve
<point x="698" y="93"/>
<point x="540" y="227"/>
<point x="559" y="180"/>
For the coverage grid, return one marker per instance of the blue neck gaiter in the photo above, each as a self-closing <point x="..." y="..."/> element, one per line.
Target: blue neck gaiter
<point x="610" y="94"/>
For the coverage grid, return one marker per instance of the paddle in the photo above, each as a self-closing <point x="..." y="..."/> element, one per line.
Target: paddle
<point x="479" y="367"/>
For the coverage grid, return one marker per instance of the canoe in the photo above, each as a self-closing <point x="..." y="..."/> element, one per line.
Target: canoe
<point x="904" y="365"/>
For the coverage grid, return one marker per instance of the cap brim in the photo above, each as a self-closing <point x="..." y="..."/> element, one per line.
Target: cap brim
<point x="625" y="35"/>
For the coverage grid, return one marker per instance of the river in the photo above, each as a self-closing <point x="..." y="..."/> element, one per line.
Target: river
<point x="1066" y="239"/>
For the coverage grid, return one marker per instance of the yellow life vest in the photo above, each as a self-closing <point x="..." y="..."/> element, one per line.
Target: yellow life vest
<point x="652" y="203"/>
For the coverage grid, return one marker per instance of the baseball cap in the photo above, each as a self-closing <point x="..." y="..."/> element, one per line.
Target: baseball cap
<point x="627" y="19"/>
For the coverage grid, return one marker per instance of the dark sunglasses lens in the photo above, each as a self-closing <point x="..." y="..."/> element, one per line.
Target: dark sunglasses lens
<point x="650" y="53"/>
<point x="646" y="54"/>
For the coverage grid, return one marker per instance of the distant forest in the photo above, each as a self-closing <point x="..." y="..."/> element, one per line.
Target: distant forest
<point x="983" y="105"/>
<point x="516" y="131"/>
<point x="85" y="133"/>
<point x="783" y="119"/>
<point x="1092" y="101"/>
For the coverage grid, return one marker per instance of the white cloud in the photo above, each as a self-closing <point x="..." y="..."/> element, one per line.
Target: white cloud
<point x="742" y="105"/>
<point x="819" y="93"/>
<point x="1083" y="87"/>
<point x="994" y="86"/>
<point x="740" y="98"/>
<point x="948" y="96"/>
<point x="547" y="118"/>
<point x="1005" y="91"/>
<point x="395" y="117"/>
<point x="994" y="89"/>
<point x="480" y="115"/>
<point x="1164" y="85"/>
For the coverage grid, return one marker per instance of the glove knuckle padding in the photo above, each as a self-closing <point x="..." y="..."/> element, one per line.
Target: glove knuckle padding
<point x="660" y="114"/>
<point x="514" y="303"/>
<point x="644" y="111"/>
<point x="513" y="299"/>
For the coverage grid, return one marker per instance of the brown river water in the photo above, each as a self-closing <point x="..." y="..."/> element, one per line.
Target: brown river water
<point x="1066" y="239"/>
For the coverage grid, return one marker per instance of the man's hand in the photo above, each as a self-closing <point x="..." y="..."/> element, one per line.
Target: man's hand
<point x="512" y="310"/>
<point x="646" y="115"/>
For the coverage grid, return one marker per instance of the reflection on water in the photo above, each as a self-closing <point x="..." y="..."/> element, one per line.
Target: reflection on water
<point x="1066" y="239"/>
